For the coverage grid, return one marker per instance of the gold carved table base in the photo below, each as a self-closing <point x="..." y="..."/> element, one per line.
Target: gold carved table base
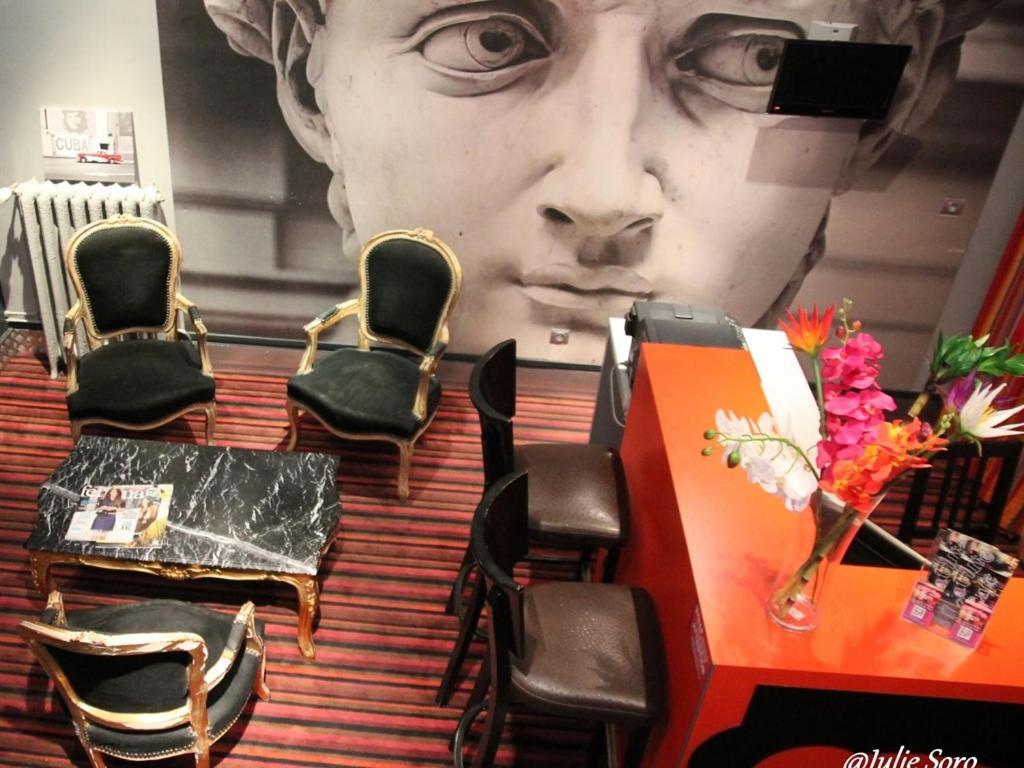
<point x="305" y="585"/>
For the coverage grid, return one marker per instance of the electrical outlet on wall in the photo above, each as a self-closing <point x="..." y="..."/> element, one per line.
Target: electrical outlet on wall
<point x="952" y="206"/>
<point x="559" y="335"/>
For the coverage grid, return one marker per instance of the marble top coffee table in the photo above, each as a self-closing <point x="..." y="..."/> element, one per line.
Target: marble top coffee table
<point x="234" y="514"/>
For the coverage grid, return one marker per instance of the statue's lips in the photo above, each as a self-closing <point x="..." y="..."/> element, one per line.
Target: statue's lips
<point x="569" y="286"/>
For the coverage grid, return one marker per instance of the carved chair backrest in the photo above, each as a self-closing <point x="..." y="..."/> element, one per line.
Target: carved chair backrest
<point x="409" y="282"/>
<point x="88" y="668"/>
<point x="125" y="270"/>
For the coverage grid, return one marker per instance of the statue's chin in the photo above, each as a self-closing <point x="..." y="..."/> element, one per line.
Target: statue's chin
<point x="337" y="203"/>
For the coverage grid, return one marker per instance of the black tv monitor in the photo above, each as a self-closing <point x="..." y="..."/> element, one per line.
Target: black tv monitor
<point x="836" y="79"/>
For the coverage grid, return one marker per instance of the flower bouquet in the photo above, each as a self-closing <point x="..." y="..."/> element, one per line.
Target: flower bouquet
<point x="842" y="477"/>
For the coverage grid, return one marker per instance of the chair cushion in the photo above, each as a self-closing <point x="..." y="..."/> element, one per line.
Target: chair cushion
<point x="126" y="273"/>
<point x="224" y="705"/>
<point x="139" y="381"/>
<point x="577" y="492"/>
<point x="153" y="682"/>
<point x="592" y="652"/>
<point x="407" y="285"/>
<point x="364" y="392"/>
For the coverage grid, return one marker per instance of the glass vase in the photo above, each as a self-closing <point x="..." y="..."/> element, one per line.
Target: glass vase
<point x="823" y="533"/>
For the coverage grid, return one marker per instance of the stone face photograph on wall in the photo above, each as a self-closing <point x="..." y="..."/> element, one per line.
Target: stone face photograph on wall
<point x="578" y="157"/>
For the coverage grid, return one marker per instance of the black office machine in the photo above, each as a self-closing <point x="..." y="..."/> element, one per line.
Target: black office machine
<point x="660" y="323"/>
<point x="665" y="323"/>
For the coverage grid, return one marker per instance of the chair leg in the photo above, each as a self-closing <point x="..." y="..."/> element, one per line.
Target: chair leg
<point x="203" y="757"/>
<point x="293" y="425"/>
<point x="76" y="431"/>
<point x="259" y="685"/>
<point x="483" y="682"/>
<point x="96" y="758"/>
<point x="488" y="746"/>
<point x="466" y="631"/>
<point x="597" y="753"/>
<point x="475" y="704"/>
<point x="457" y="742"/>
<point x="404" y="463"/>
<point x="585" y="566"/>
<point x="467" y="559"/>
<point x="611" y="563"/>
<point x="211" y="422"/>
<point x="635" y="748"/>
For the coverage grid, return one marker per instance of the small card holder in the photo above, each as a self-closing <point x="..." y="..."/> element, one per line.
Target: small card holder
<point x="959" y="587"/>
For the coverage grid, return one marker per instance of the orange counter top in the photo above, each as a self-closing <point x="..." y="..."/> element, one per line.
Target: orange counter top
<point x="708" y="544"/>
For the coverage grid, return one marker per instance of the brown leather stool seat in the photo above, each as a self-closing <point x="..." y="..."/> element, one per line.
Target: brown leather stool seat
<point x="577" y="494"/>
<point x="591" y="652"/>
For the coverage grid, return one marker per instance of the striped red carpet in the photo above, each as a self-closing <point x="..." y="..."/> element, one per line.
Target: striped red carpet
<point x="383" y="639"/>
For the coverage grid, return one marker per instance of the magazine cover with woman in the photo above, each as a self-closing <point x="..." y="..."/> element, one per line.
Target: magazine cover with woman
<point x="121" y="515"/>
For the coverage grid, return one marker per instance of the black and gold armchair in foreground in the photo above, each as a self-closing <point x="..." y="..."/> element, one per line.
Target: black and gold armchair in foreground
<point x="137" y="373"/>
<point x="409" y="282"/>
<point x="150" y="680"/>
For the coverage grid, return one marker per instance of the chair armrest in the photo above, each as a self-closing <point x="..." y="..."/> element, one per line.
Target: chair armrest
<point x="70" y="351"/>
<point x="39" y="636"/>
<point x="438" y="349"/>
<point x="428" y="366"/>
<point x="242" y="631"/>
<point x="53" y="614"/>
<point x="322" y="322"/>
<point x="197" y="322"/>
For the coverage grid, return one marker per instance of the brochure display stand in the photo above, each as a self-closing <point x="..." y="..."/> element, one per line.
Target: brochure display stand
<point x="707" y="546"/>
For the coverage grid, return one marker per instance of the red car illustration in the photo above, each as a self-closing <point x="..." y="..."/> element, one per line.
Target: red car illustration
<point x="100" y="156"/>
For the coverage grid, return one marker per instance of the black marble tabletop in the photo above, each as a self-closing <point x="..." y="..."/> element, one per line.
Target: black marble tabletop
<point x="230" y="508"/>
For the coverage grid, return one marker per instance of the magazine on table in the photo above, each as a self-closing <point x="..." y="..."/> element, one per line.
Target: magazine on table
<point x="959" y="588"/>
<point x="121" y="515"/>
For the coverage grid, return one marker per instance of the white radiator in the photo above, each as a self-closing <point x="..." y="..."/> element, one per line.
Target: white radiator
<point x="51" y="213"/>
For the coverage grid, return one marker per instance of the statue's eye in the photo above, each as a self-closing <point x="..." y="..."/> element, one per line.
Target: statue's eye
<point x="746" y="59"/>
<point x="731" y="59"/>
<point x="484" y="45"/>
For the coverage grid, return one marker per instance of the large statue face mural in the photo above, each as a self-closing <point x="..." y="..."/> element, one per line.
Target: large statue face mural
<point x="580" y="154"/>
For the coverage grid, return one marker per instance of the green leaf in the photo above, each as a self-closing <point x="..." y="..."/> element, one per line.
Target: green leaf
<point x="957" y="356"/>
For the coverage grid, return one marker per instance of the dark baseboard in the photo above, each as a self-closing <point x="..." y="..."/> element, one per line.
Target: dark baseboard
<point x="269" y="341"/>
<point x="459" y="357"/>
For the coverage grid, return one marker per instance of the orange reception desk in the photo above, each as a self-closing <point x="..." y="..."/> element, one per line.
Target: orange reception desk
<point x="743" y="692"/>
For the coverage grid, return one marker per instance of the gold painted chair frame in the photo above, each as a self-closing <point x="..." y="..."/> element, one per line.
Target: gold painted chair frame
<point x="42" y="636"/>
<point x="81" y="314"/>
<point x="307" y="587"/>
<point x="428" y="362"/>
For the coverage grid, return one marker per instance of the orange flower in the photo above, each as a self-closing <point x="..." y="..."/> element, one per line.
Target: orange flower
<point x="900" y="446"/>
<point x="808" y="333"/>
<point x="858" y="481"/>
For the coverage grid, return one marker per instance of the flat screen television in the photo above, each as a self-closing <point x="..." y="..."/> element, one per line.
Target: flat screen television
<point x="837" y="79"/>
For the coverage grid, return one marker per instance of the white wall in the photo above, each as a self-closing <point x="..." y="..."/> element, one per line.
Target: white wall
<point x="999" y="216"/>
<point x="101" y="53"/>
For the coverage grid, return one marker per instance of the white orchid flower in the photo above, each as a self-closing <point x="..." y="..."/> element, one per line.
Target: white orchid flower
<point x="730" y="425"/>
<point x="761" y="471"/>
<point x="798" y="487"/>
<point x="981" y="421"/>
<point x="769" y="456"/>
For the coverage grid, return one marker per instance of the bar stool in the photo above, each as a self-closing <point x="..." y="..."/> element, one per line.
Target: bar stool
<point x="580" y="650"/>
<point x="578" y="495"/>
